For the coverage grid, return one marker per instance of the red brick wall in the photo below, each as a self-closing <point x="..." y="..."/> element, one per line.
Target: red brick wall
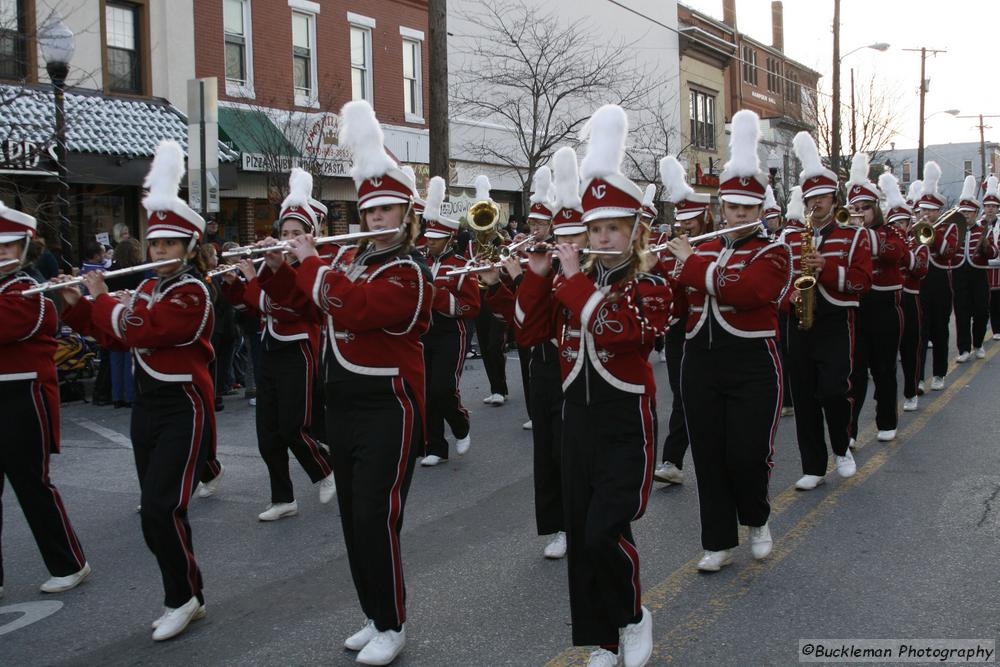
<point x="272" y="52"/>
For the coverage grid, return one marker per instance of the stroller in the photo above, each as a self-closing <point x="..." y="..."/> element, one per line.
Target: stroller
<point x="76" y="359"/>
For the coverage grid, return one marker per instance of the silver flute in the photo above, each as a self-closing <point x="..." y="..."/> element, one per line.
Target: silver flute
<point x="284" y="246"/>
<point x="218" y="271"/>
<point x="482" y="268"/>
<point x="709" y="235"/>
<point x="138" y="268"/>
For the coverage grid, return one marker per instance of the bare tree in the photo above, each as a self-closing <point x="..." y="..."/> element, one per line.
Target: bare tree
<point x="654" y="134"/>
<point x="537" y="77"/>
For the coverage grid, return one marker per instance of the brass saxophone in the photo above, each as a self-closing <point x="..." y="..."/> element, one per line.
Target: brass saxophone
<point x="805" y="284"/>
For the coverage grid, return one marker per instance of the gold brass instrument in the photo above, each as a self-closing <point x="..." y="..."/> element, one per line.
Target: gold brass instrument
<point x="924" y="231"/>
<point x="805" y="284"/>
<point x="484" y="217"/>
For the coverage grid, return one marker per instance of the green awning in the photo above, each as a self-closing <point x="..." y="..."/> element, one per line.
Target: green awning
<point x="252" y="132"/>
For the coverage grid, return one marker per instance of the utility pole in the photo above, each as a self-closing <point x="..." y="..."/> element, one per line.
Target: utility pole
<point x="923" y="92"/>
<point x="835" y="123"/>
<point x="982" y="140"/>
<point x="437" y="122"/>
<point x="854" y="120"/>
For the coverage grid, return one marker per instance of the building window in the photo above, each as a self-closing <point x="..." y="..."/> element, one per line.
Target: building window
<point x="304" y="58"/>
<point x="702" y="111"/>
<point x="968" y="167"/>
<point x="121" y="32"/>
<point x="793" y="91"/>
<point x="750" y="65"/>
<point x="361" y="63"/>
<point x="906" y="172"/>
<point x="412" y="75"/>
<point x="774" y="75"/>
<point x="13" y="38"/>
<point x="238" y="48"/>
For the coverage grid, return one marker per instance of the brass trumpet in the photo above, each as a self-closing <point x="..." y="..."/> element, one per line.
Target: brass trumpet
<point x="924" y="231"/>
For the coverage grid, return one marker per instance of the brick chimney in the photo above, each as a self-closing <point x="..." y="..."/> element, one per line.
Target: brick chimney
<point x="777" y="25"/>
<point x="729" y="13"/>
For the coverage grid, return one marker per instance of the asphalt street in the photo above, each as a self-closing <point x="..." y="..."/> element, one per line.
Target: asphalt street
<point x="905" y="549"/>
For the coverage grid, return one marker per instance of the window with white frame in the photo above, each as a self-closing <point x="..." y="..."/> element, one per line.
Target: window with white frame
<point x="361" y="63"/>
<point x="412" y="75"/>
<point x="303" y="54"/>
<point x="238" y="49"/>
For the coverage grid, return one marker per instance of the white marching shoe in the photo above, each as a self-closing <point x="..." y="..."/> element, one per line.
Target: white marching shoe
<point x="462" y="444"/>
<point x="327" y="489"/>
<point x="887" y="436"/>
<point x="668" y="473"/>
<point x="663" y="356"/>
<point x="602" y="657"/>
<point x="996" y="336"/>
<point x="277" y="511"/>
<point x="846" y="467"/>
<point x="494" y="399"/>
<point x="198" y="615"/>
<point x="920" y="388"/>
<point x="360" y="639"/>
<point x="788" y="411"/>
<point x="557" y="547"/>
<point x="910" y="404"/>
<point x="636" y="642"/>
<point x="383" y="647"/>
<point x="852" y="444"/>
<point x="809" y="482"/>
<point x="980" y="353"/>
<point x="176" y="621"/>
<point x="713" y="561"/>
<point x="61" y="584"/>
<point x="937" y="383"/>
<point x="527" y="426"/>
<point x="211" y="487"/>
<point x="962" y="358"/>
<point x="760" y="541"/>
<point x="431" y="460"/>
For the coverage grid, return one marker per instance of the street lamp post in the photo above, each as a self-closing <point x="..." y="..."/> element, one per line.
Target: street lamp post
<point x="837" y="58"/>
<point x="58" y="44"/>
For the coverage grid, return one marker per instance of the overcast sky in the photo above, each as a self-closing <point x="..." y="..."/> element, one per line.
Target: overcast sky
<point x="967" y="77"/>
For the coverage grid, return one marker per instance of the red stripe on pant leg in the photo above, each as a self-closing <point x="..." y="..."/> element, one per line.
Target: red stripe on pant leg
<point x="187" y="482"/>
<point x="43" y="425"/>
<point x="633" y="558"/>
<point x="307" y="420"/>
<point x="459" y="367"/>
<point x="395" y="496"/>
<point x="850" y="370"/>
<point x="646" y="419"/>
<point x="772" y="349"/>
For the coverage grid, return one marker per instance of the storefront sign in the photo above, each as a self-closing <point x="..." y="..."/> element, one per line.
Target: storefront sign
<point x="763" y="97"/>
<point x="24" y="155"/>
<point x="282" y="164"/>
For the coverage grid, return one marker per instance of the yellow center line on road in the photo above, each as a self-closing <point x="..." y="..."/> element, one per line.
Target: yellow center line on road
<point x="670" y="588"/>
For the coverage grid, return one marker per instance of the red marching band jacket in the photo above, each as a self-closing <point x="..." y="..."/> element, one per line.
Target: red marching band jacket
<point x="375" y="313"/>
<point x="167" y="324"/>
<point x="848" y="270"/>
<point x="456" y="298"/>
<point x="28" y="346"/>
<point x="290" y="317"/>
<point x="945" y="246"/>
<point x="890" y="253"/>
<point x="614" y="327"/>
<point x="970" y="251"/>
<point x="918" y="259"/>
<point x="741" y="283"/>
<point x="993" y="273"/>
<point x="669" y="268"/>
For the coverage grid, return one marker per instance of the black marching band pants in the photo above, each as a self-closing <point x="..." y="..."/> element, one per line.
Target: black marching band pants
<point x="608" y="457"/>
<point x="444" y="358"/>
<point x="935" y="301"/>
<point x="972" y="306"/>
<point x="375" y="435"/>
<point x="820" y="364"/>
<point x="909" y="343"/>
<point x="492" y="340"/>
<point x="995" y="311"/>
<point x="171" y="436"/>
<point x="24" y="460"/>
<point x="285" y="406"/>
<point x="546" y="436"/>
<point x="675" y="444"/>
<point x="732" y="399"/>
<point x="877" y="339"/>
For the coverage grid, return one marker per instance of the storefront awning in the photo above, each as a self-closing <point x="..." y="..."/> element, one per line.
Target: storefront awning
<point x="253" y="132"/>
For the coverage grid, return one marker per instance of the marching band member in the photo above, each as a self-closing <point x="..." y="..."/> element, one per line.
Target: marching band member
<point x="914" y="268"/>
<point x="605" y="318"/>
<point x="731" y="371"/>
<point x="795" y="216"/>
<point x="991" y="204"/>
<point x="771" y="216"/>
<point x="168" y="324"/>
<point x="692" y="213"/>
<point x="969" y="282"/>
<point x="290" y="349"/>
<point x="821" y="357"/>
<point x="935" y="291"/>
<point x="29" y="396"/>
<point x="880" y="315"/>
<point x="377" y="301"/>
<point x="456" y="299"/>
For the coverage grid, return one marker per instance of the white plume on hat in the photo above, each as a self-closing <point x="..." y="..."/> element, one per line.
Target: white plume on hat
<point x="969" y="188"/>
<point x="859" y="170"/>
<point x="483" y="188"/>
<point x="915" y="192"/>
<point x="164" y="178"/>
<point x="889" y="186"/>
<point x="300" y="187"/>
<point x="743" y="158"/>
<point x="796" y="206"/>
<point x="649" y="195"/>
<point x="361" y="133"/>
<point x="807" y="153"/>
<point x="769" y="200"/>
<point x="992" y="187"/>
<point x="566" y="179"/>
<point x="606" y="131"/>
<point x="435" y="197"/>
<point x="408" y="170"/>
<point x="540" y="183"/>
<point x="675" y="184"/>
<point x="932" y="175"/>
